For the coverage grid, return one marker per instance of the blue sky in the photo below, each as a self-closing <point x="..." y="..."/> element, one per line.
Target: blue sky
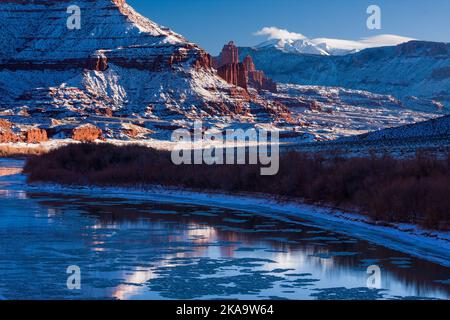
<point x="211" y="23"/>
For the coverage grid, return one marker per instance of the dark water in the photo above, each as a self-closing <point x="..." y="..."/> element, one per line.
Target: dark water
<point x="136" y="249"/>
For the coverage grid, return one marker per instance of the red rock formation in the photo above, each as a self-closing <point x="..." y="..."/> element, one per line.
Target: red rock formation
<point x="240" y="93"/>
<point x="229" y="68"/>
<point x="36" y="136"/>
<point x="241" y="74"/>
<point x="98" y="64"/>
<point x="178" y="56"/>
<point x="269" y="85"/>
<point x="119" y="38"/>
<point x="234" y="73"/>
<point x="6" y="133"/>
<point x="215" y="62"/>
<point x="86" y="133"/>
<point x="132" y="132"/>
<point x="256" y="78"/>
<point x="204" y="61"/>
<point x="9" y="136"/>
<point x="106" y="112"/>
<point x="248" y="61"/>
<point x="5" y="125"/>
<point x="230" y="54"/>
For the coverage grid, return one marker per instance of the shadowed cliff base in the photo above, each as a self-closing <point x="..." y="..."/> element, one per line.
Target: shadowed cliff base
<point x="383" y="188"/>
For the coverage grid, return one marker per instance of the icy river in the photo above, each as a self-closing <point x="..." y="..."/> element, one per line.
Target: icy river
<point x="142" y="249"/>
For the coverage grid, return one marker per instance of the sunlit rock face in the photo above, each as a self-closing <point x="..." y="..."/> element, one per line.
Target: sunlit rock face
<point x="117" y="60"/>
<point x="6" y="133"/>
<point x="242" y="74"/>
<point x="36" y="135"/>
<point x="86" y="133"/>
<point x="256" y="78"/>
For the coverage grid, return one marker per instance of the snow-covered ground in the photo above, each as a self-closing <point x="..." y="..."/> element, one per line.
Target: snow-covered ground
<point x="328" y="113"/>
<point x="412" y="72"/>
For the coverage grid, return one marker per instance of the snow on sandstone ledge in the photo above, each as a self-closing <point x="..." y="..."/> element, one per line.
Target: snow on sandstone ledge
<point x="118" y="60"/>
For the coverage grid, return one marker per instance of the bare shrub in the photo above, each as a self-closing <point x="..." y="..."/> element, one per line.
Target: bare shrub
<point x="394" y="190"/>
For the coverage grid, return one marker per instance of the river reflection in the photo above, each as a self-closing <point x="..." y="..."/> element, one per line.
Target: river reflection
<point x="132" y="249"/>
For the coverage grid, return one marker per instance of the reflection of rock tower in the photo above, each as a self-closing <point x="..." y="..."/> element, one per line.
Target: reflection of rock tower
<point x="241" y="74"/>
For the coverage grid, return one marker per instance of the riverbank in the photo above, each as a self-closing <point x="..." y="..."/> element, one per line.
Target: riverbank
<point x="425" y="244"/>
<point x="413" y="191"/>
<point x="22" y="149"/>
<point x="173" y="244"/>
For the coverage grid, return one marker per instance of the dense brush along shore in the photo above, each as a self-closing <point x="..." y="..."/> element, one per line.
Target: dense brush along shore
<point x="392" y="190"/>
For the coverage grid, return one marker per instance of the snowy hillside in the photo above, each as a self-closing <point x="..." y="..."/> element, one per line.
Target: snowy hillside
<point x="328" y="113"/>
<point x="128" y="78"/>
<point x="435" y="128"/>
<point x="418" y="73"/>
<point x="117" y="62"/>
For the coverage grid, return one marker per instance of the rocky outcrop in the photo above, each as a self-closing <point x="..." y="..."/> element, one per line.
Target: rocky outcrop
<point x="249" y="64"/>
<point x="8" y="137"/>
<point x="229" y="55"/>
<point x="119" y="60"/>
<point x="10" y="132"/>
<point x="98" y="64"/>
<point x="119" y="2"/>
<point x="36" y="135"/>
<point x="6" y="133"/>
<point x="257" y="78"/>
<point x="242" y="74"/>
<point x="234" y="73"/>
<point x="269" y="85"/>
<point x="203" y="61"/>
<point x="105" y="112"/>
<point x="135" y="131"/>
<point x="87" y="133"/>
<point x="5" y="125"/>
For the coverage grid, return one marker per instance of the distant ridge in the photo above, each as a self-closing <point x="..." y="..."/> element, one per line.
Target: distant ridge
<point x="416" y="69"/>
<point x="435" y="128"/>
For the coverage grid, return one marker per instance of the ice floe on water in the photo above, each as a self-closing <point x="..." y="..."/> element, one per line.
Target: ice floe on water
<point x="131" y="245"/>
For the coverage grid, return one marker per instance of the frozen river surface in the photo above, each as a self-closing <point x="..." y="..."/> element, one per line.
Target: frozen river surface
<point x="137" y="249"/>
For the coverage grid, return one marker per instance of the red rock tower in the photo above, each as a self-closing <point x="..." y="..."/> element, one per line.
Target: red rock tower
<point x="241" y="74"/>
<point x="230" y="54"/>
<point x="248" y="61"/>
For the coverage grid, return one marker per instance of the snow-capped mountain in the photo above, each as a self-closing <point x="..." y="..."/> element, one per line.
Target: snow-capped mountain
<point x="416" y="72"/>
<point x="290" y="42"/>
<point x="117" y="62"/>
<point x="302" y="46"/>
<point x="339" y="47"/>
